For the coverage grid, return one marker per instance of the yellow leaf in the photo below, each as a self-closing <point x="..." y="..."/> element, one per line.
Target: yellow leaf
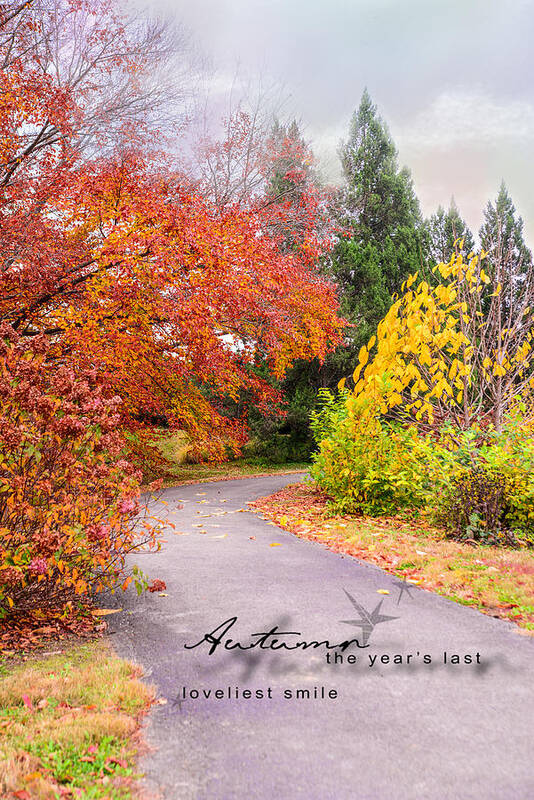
<point x="103" y="612"/>
<point x="33" y="776"/>
<point x="283" y="520"/>
<point x="382" y="591"/>
<point x="275" y="544"/>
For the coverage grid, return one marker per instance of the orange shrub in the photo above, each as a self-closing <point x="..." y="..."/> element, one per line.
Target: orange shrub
<point x="69" y="505"/>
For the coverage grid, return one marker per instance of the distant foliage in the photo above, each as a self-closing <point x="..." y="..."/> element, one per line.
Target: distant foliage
<point x="446" y="229"/>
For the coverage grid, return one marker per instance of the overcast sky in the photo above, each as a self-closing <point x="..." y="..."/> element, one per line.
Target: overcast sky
<point x="452" y="78"/>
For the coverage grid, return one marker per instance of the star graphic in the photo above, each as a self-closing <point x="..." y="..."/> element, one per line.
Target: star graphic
<point x="368" y="621"/>
<point x="404" y="587"/>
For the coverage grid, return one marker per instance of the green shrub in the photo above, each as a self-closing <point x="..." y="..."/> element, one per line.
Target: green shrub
<point x="476" y="507"/>
<point x="476" y="483"/>
<point x="368" y="465"/>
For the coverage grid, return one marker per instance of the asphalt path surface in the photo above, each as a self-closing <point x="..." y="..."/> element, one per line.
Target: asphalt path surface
<point x="375" y="726"/>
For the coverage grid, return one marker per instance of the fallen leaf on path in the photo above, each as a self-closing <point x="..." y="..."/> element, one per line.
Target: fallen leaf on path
<point x="157" y="586"/>
<point x="382" y="591"/>
<point x="103" y="612"/>
<point x="251" y="537"/>
<point x="162" y="594"/>
<point x="275" y="544"/>
<point x="199" y="494"/>
<point x="221" y="536"/>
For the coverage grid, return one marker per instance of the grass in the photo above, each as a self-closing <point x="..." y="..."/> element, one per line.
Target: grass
<point x="496" y="580"/>
<point x="69" y="725"/>
<point x="175" y="447"/>
<point x="241" y="468"/>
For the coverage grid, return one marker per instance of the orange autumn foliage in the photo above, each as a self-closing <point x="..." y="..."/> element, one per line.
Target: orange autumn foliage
<point x="123" y="294"/>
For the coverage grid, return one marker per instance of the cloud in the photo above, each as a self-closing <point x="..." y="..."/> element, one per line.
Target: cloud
<point x="461" y="118"/>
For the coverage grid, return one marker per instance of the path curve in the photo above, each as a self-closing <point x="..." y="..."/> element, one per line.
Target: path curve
<point x="395" y="731"/>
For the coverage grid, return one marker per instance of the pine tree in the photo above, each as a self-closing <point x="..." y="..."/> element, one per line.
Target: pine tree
<point x="291" y="161"/>
<point x="501" y="235"/>
<point x="291" y="183"/>
<point x="509" y="261"/>
<point x="385" y="237"/>
<point x="445" y="228"/>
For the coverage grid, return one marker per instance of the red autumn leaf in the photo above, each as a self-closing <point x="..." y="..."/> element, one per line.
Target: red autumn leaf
<point x="157" y="586"/>
<point x="120" y="762"/>
<point x="27" y="702"/>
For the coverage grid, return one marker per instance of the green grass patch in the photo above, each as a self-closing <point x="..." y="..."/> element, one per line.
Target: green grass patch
<point x="68" y="725"/>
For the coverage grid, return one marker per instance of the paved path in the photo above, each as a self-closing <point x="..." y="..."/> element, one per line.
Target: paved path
<point x="395" y="731"/>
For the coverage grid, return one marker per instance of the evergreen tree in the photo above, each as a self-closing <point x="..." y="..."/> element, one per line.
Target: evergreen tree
<point x="509" y="260"/>
<point x="290" y="171"/>
<point x="501" y="236"/>
<point x="444" y="229"/>
<point x="385" y="237"/>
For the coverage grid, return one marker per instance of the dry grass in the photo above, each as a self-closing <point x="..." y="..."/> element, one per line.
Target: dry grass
<point x="498" y="581"/>
<point x="175" y="446"/>
<point x="68" y="725"/>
